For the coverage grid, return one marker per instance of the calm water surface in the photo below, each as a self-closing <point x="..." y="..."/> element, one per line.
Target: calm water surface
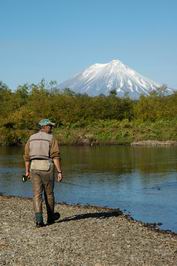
<point x="141" y="181"/>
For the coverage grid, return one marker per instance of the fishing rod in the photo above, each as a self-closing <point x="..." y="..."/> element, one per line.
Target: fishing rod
<point x="25" y="178"/>
<point x="72" y="184"/>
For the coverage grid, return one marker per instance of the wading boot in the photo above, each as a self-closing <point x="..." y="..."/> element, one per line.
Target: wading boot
<point x="39" y="219"/>
<point x="39" y="224"/>
<point x="53" y="217"/>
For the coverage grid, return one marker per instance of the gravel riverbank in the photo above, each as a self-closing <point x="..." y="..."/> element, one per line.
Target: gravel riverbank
<point x="82" y="236"/>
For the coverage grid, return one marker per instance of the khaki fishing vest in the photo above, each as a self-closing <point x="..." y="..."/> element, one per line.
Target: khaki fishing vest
<point x="40" y="145"/>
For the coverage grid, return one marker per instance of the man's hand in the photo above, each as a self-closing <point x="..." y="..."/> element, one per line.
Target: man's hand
<point x="59" y="177"/>
<point x="27" y="168"/>
<point x="27" y="174"/>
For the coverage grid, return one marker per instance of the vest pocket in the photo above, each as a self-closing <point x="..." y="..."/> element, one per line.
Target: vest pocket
<point x="42" y="165"/>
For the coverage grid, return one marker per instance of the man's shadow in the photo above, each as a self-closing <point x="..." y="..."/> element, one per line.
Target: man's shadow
<point x="95" y="215"/>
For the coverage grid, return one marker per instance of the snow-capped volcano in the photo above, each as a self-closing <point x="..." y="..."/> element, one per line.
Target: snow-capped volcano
<point x="102" y="78"/>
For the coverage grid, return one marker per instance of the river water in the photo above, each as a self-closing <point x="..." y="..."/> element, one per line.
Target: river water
<point x="141" y="181"/>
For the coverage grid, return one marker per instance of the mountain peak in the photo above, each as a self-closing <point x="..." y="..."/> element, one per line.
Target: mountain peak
<point x="117" y="65"/>
<point x="115" y="62"/>
<point x="101" y="78"/>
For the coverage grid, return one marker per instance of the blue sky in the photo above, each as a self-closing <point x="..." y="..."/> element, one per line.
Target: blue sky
<point x="55" y="39"/>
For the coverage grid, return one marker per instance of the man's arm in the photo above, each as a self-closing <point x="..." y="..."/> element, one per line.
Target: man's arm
<point x="27" y="168"/>
<point x="55" y="155"/>
<point x="27" y="160"/>
<point x="58" y="167"/>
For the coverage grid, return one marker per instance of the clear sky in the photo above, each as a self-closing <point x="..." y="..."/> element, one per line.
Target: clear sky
<point x="55" y="39"/>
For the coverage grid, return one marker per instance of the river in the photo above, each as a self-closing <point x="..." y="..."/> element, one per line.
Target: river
<point x="141" y="181"/>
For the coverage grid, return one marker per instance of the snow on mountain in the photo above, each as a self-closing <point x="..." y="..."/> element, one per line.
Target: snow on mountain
<point x="102" y="78"/>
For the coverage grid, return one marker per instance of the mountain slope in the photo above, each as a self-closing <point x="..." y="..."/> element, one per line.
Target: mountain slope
<point x="101" y="78"/>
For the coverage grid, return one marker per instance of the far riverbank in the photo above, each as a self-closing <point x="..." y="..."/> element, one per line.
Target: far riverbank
<point x="103" y="132"/>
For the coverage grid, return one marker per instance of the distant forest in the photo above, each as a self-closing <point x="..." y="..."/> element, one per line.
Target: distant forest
<point x="102" y="118"/>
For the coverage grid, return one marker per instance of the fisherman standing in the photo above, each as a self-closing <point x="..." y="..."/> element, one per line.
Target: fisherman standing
<point x="41" y="155"/>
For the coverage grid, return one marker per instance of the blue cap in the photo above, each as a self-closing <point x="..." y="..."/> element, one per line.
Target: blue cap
<point x="46" y="122"/>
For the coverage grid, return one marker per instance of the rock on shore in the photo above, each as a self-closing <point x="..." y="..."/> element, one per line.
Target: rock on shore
<point x="83" y="236"/>
<point x="154" y="143"/>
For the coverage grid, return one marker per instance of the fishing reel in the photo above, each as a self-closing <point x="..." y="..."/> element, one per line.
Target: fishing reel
<point x="24" y="178"/>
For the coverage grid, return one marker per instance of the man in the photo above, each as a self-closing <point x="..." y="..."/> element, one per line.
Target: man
<point x="41" y="155"/>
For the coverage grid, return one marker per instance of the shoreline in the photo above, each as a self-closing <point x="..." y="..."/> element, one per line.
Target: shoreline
<point x="141" y="143"/>
<point x="152" y="226"/>
<point x="83" y="236"/>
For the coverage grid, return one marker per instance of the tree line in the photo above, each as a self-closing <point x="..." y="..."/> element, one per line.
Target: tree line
<point x="23" y="108"/>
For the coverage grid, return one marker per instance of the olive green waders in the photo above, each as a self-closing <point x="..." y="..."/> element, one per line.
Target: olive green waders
<point x="43" y="181"/>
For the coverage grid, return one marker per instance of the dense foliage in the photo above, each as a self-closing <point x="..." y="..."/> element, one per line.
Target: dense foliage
<point x="104" y="118"/>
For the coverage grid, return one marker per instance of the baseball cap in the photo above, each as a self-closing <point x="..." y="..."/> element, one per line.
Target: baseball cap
<point x="46" y="122"/>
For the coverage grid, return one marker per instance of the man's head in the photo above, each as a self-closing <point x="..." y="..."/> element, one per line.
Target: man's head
<point x="46" y="125"/>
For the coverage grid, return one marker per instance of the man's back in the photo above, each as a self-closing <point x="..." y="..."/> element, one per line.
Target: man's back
<point x="39" y="145"/>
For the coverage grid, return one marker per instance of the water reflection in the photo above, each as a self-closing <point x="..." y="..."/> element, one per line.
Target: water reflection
<point x="140" y="180"/>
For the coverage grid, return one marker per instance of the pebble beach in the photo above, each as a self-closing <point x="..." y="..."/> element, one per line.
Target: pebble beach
<point x="84" y="235"/>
